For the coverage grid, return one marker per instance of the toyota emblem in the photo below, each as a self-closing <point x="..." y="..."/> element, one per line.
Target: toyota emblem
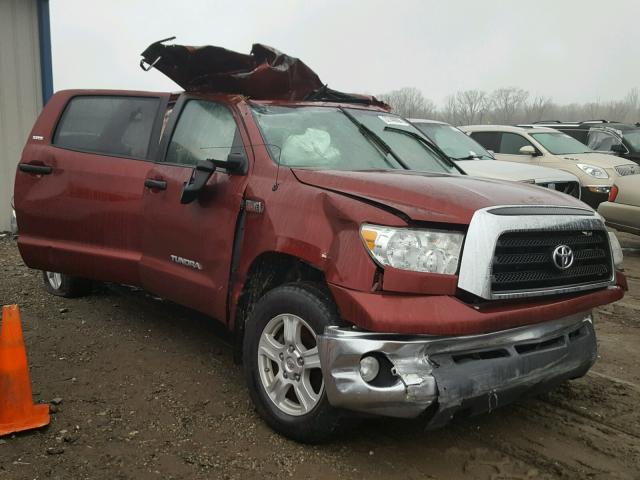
<point x="562" y="257"/>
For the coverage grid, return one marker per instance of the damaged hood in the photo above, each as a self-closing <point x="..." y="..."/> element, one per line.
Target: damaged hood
<point x="263" y="74"/>
<point x="432" y="197"/>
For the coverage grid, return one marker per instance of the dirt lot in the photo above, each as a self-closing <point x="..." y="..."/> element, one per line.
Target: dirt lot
<point x="150" y="390"/>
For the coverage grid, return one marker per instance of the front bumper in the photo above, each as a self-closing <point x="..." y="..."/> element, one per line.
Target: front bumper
<point x="455" y="374"/>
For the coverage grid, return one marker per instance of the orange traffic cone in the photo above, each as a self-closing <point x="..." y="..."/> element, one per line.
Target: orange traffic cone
<point x="17" y="411"/>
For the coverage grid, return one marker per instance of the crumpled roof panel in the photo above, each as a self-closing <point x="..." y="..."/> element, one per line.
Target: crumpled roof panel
<point x="264" y="74"/>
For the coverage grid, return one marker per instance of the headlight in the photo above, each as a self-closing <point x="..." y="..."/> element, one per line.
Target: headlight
<point x="432" y="251"/>
<point x="596" y="172"/>
<point x="616" y="251"/>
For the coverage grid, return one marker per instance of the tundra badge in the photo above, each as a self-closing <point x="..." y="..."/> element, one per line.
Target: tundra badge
<point x="186" y="262"/>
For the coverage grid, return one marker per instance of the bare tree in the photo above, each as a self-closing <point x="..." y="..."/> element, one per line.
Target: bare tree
<point x="450" y="112"/>
<point x="471" y="106"/>
<point x="617" y="110"/>
<point x="536" y="109"/>
<point x="593" y="110"/>
<point x="632" y="102"/>
<point x="509" y="105"/>
<point x="409" y="102"/>
<point x="506" y="102"/>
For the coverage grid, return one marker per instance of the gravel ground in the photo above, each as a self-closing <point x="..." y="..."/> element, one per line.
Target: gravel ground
<point x="148" y="389"/>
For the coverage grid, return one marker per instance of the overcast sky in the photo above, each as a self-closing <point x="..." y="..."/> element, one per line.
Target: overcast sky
<point x="570" y="50"/>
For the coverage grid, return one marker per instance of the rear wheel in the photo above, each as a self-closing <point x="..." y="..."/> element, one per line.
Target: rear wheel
<point x="282" y="364"/>
<point x="67" y="286"/>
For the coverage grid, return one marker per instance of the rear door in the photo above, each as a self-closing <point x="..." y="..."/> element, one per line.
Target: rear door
<point x="80" y="181"/>
<point x="187" y="248"/>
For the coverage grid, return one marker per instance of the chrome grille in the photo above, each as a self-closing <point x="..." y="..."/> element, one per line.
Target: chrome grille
<point x="524" y="260"/>
<point x="630" y="169"/>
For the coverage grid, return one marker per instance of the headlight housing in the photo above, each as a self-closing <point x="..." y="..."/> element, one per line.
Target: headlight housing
<point x="418" y="250"/>
<point x="592" y="170"/>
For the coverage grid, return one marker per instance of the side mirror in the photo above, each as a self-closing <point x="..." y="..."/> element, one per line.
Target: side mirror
<point x="199" y="178"/>
<point x="527" y="150"/>
<point x="618" y="148"/>
<point x="236" y="163"/>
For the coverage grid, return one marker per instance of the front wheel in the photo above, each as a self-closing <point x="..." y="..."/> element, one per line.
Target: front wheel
<point x="67" y="286"/>
<point x="282" y="364"/>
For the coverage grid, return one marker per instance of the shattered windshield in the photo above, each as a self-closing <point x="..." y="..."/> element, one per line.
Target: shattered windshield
<point x="326" y="138"/>
<point x="454" y="142"/>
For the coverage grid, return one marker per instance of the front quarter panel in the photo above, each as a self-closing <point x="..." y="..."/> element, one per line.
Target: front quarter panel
<point x="319" y="227"/>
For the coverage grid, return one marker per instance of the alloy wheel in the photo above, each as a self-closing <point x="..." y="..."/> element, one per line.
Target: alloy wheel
<point x="289" y="364"/>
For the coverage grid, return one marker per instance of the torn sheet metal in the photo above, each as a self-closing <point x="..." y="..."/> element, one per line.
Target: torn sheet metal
<point x="264" y="74"/>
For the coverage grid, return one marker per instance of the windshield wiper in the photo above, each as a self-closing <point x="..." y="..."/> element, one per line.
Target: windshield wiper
<point x="429" y="145"/>
<point x="374" y="138"/>
<point x="471" y="157"/>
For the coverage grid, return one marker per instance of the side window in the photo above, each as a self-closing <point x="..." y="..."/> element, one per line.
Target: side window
<point x="602" y="141"/>
<point x="511" y="143"/>
<point x="489" y="140"/>
<point x="204" y="130"/>
<point x="579" y="134"/>
<point x="109" y="125"/>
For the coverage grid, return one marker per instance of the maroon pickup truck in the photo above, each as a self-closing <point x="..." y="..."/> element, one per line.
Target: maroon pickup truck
<point x="358" y="268"/>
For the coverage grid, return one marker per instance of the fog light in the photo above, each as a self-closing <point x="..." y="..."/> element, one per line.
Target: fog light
<point x="600" y="189"/>
<point x="369" y="368"/>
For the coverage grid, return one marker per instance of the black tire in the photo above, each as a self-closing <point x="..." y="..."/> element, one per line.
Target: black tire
<point x="314" y="305"/>
<point x="69" y="287"/>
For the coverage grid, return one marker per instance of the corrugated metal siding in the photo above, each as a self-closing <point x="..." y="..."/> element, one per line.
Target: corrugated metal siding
<point x="20" y="90"/>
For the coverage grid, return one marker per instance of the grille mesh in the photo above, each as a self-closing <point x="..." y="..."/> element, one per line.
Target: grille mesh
<point x="523" y="260"/>
<point x="570" y="188"/>
<point x="630" y="169"/>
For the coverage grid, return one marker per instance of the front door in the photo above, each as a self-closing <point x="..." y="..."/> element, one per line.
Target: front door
<point x="509" y="149"/>
<point x="187" y="248"/>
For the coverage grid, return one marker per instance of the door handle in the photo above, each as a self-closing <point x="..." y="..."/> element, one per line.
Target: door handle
<point x="37" y="169"/>
<point x="155" y="184"/>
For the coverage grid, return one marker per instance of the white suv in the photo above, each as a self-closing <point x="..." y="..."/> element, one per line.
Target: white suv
<point x="550" y="148"/>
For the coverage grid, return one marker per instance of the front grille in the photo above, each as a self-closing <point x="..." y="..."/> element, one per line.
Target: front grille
<point x="631" y="169"/>
<point x="570" y="188"/>
<point x="524" y="260"/>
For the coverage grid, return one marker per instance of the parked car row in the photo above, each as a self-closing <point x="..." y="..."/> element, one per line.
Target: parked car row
<point x="475" y="160"/>
<point x="548" y="147"/>
<point x="616" y="138"/>
<point x="545" y="157"/>
<point x="358" y="266"/>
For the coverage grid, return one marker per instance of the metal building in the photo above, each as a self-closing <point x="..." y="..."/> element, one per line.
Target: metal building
<point x="25" y="84"/>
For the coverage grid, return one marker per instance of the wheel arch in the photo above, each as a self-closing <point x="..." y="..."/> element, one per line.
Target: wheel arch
<point x="268" y="271"/>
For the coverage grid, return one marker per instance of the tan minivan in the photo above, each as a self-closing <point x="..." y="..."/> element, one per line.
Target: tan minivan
<point x="547" y="147"/>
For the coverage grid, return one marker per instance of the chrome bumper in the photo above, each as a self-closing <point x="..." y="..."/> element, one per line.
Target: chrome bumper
<point x="470" y="374"/>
